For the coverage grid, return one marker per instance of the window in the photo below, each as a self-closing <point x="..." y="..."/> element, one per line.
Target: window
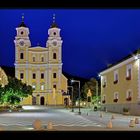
<point x="129" y="72"/>
<point x="104" y="82"/>
<point x="129" y="95"/>
<point x="103" y="101"/>
<point x="54" y="86"/>
<point x="54" y="55"/>
<point x="34" y="76"/>
<point x="54" y="33"/>
<point x="116" y="97"/>
<point x="42" y="59"/>
<point x="21" y="55"/>
<point x="42" y="87"/>
<point x="116" y="77"/>
<point x="54" y="75"/>
<point x="42" y="75"/>
<point x="34" y="59"/>
<point x="21" y="75"/>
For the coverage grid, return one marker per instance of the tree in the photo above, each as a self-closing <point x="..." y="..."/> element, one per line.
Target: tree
<point x="92" y="85"/>
<point x="14" y="91"/>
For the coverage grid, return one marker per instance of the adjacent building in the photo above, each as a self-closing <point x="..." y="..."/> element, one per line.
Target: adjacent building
<point x="120" y="85"/>
<point x="41" y="67"/>
<point x="3" y="78"/>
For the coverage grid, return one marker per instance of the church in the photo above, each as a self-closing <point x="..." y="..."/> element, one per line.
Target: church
<point x="41" y="67"/>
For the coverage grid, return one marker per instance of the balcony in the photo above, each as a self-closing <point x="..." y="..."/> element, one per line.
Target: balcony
<point x="116" y="81"/>
<point x="103" y="101"/>
<point x="129" y="99"/>
<point x="115" y="100"/>
<point x="128" y="78"/>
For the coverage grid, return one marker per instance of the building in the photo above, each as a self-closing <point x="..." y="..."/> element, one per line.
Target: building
<point x="120" y="85"/>
<point x="3" y="78"/>
<point x="41" y="67"/>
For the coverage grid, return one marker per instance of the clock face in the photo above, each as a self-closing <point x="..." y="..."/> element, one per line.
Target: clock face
<point x="55" y="43"/>
<point x="21" y="43"/>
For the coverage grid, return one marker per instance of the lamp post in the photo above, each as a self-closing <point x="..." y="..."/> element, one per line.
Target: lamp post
<point x="79" y="93"/>
<point x="72" y="97"/>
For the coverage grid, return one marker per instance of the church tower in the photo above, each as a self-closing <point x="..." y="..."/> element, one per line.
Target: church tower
<point x="22" y="43"/>
<point x="54" y="44"/>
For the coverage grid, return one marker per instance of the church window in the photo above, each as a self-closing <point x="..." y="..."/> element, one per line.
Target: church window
<point x="21" y="55"/>
<point x="33" y="59"/>
<point x="54" y="86"/>
<point x="42" y="75"/>
<point x="21" y="75"/>
<point x="54" y="55"/>
<point x="42" y="59"/>
<point x="34" y="76"/>
<point x="54" y="75"/>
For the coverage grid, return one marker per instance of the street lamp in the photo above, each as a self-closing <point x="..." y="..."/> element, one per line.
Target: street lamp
<point x="72" y="97"/>
<point x="79" y="93"/>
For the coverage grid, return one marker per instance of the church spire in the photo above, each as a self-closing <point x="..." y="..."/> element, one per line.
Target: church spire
<point x="22" y="22"/>
<point x="54" y="25"/>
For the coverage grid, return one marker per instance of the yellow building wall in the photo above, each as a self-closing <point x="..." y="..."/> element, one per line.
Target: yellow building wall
<point x="122" y="86"/>
<point x="26" y="101"/>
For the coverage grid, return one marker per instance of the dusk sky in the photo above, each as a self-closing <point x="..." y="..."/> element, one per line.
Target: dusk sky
<point x="92" y="38"/>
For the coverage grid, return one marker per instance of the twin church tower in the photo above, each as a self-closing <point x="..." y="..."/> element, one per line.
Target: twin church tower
<point x="41" y="67"/>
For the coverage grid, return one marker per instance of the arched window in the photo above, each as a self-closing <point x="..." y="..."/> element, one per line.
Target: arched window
<point x="54" y="55"/>
<point x="42" y="59"/>
<point x="21" y="55"/>
<point x="33" y="58"/>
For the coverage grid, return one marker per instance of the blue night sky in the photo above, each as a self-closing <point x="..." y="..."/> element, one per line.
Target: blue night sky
<point x="91" y="38"/>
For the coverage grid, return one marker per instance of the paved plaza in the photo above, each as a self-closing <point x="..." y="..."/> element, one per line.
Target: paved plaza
<point x="63" y="119"/>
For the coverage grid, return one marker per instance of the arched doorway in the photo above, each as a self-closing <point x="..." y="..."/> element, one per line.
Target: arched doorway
<point x="66" y="101"/>
<point x="42" y="101"/>
<point x="33" y="100"/>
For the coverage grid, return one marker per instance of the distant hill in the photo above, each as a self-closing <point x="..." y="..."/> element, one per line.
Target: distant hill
<point x="10" y="71"/>
<point x="70" y="77"/>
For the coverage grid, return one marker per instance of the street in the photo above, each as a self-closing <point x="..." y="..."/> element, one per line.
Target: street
<point x="64" y="120"/>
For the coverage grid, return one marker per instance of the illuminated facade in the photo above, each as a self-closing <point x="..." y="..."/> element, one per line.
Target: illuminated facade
<point x="41" y="67"/>
<point x="3" y="78"/>
<point x="120" y="86"/>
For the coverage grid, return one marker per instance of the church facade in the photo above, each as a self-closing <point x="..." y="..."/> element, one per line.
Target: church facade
<point x="41" y="67"/>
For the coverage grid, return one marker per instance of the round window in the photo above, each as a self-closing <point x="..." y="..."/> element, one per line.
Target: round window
<point x="21" y="32"/>
<point x="54" y="33"/>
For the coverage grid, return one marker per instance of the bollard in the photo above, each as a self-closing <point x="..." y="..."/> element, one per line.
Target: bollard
<point x="49" y="126"/>
<point x="37" y="125"/>
<point x="112" y="117"/>
<point x="109" y="125"/>
<point x="132" y="123"/>
<point x="136" y="121"/>
<point x="1" y="128"/>
<point x="101" y="115"/>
